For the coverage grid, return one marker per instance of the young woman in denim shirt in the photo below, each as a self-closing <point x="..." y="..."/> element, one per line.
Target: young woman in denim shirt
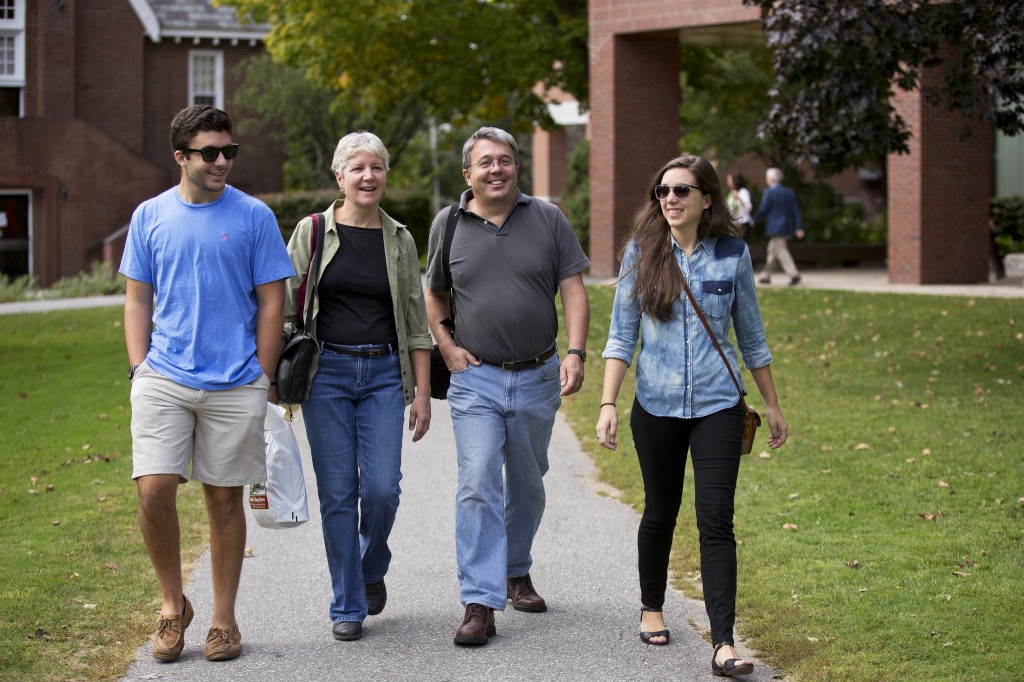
<point x="685" y="398"/>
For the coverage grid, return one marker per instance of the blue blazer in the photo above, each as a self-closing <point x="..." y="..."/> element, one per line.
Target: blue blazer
<point x="780" y="212"/>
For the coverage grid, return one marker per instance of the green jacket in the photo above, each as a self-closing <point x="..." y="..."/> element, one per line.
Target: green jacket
<point x="403" y="265"/>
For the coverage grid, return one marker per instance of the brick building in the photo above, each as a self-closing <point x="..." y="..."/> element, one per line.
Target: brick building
<point x="935" y="235"/>
<point x="87" y="93"/>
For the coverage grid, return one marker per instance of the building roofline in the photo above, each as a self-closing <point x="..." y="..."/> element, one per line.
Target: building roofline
<point x="151" y="24"/>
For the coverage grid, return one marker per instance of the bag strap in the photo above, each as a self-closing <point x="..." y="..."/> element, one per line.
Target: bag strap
<point x="446" y="252"/>
<point x="317" y="241"/>
<point x="707" y="327"/>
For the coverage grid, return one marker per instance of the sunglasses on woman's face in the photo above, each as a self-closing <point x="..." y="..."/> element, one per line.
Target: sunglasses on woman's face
<point x="210" y="154"/>
<point x="681" y="191"/>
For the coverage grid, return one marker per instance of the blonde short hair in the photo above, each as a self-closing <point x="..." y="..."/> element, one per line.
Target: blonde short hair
<point x="352" y="144"/>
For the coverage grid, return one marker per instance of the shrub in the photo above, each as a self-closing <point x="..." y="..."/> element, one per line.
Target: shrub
<point x="576" y="198"/>
<point x="1008" y="224"/>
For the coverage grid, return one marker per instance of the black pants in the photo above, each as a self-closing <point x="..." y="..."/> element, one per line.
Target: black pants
<point x="661" y="446"/>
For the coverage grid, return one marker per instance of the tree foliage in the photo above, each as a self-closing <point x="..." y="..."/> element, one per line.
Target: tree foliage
<point x="837" y="66"/>
<point x="723" y="101"/>
<point x="412" y="59"/>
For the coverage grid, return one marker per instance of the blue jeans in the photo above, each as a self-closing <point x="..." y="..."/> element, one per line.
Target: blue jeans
<point x="354" y="417"/>
<point x="500" y="418"/>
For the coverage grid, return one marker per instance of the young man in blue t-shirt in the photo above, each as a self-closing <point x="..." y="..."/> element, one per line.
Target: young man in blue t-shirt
<point x="203" y="314"/>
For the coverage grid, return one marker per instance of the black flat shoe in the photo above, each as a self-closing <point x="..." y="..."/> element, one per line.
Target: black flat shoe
<point x="645" y="637"/>
<point x="347" y="630"/>
<point x="376" y="597"/>
<point x="730" y="668"/>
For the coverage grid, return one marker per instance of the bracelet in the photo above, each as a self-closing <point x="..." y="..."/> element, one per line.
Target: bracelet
<point x="603" y="404"/>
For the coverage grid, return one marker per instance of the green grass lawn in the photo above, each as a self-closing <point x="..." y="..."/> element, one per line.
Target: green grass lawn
<point x="885" y="540"/>
<point x="77" y="594"/>
<point x="903" y="477"/>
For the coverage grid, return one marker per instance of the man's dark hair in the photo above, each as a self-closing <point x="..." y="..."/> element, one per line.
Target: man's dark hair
<point x="195" y="119"/>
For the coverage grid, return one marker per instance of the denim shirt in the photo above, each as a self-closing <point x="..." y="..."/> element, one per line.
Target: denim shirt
<point x="679" y="372"/>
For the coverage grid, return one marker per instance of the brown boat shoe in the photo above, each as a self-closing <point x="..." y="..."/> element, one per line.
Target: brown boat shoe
<point x="223" y="644"/>
<point x="169" y="637"/>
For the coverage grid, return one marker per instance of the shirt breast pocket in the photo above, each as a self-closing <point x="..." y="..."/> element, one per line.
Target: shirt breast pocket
<point x="716" y="298"/>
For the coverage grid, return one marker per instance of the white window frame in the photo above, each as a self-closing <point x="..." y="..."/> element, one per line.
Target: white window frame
<point x="15" y="28"/>
<point x="218" y="76"/>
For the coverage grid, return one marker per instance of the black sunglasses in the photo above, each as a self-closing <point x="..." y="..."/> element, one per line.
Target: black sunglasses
<point x="210" y="154"/>
<point x="681" y="191"/>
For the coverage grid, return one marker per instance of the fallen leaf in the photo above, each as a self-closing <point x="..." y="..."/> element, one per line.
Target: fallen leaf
<point x="825" y="471"/>
<point x="86" y="446"/>
<point x="943" y="484"/>
<point x="111" y="566"/>
<point x="853" y="564"/>
<point x="75" y="576"/>
<point x="789" y="526"/>
<point x="33" y="480"/>
<point x="926" y="451"/>
<point x="101" y="499"/>
<point x="911" y="460"/>
<point x="40" y="634"/>
<point x="812" y="639"/>
<point x="927" y="517"/>
<point x="250" y="551"/>
<point x="55" y="523"/>
<point x="793" y="496"/>
<point x="862" y="590"/>
<point x="88" y="606"/>
<point x="862" y="446"/>
<point x="765" y="454"/>
<point x="49" y="488"/>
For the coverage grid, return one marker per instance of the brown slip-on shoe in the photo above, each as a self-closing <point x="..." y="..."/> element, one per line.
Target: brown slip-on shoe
<point x="524" y="597"/>
<point x="169" y="637"/>
<point x="477" y="626"/>
<point x="223" y="644"/>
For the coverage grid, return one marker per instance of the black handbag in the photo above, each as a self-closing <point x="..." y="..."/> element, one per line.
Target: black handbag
<point x="293" y="374"/>
<point x="440" y="375"/>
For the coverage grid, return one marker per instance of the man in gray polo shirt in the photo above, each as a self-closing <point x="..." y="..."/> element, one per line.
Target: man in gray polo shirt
<point x="510" y="255"/>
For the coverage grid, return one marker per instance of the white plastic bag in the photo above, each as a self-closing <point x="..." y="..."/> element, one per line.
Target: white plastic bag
<point x="281" y="503"/>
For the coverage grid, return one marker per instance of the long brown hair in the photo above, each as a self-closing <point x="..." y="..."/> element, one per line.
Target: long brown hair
<point x="659" y="282"/>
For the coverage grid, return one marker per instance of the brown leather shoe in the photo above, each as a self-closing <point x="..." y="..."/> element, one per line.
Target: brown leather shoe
<point x="169" y="637"/>
<point x="477" y="626"/>
<point x="223" y="644"/>
<point x="524" y="597"/>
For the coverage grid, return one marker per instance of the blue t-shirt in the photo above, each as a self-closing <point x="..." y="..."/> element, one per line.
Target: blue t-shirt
<point x="205" y="262"/>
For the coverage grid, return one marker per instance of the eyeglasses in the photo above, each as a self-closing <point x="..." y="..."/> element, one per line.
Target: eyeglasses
<point x="485" y="163"/>
<point x="681" y="191"/>
<point x="210" y="154"/>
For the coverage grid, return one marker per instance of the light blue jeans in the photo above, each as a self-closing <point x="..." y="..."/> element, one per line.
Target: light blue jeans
<point x="354" y="417"/>
<point x="500" y="418"/>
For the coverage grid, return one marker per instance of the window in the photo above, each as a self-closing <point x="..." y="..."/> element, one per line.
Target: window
<point x="206" y="77"/>
<point x="12" y="44"/>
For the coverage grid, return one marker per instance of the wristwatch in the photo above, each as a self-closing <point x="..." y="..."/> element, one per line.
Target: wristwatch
<point x="578" y="351"/>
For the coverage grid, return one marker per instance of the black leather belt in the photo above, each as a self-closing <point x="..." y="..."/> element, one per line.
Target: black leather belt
<point x="523" y="364"/>
<point x="368" y="352"/>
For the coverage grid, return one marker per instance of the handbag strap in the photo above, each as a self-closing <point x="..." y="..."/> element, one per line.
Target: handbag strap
<point x="707" y="327"/>
<point x="446" y="252"/>
<point x="317" y="239"/>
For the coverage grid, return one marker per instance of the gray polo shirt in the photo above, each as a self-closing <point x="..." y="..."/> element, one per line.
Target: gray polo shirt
<point x="505" y="280"/>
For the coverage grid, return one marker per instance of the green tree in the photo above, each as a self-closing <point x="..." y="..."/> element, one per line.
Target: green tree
<point x="724" y="98"/>
<point x="837" y="66"/>
<point x="454" y="60"/>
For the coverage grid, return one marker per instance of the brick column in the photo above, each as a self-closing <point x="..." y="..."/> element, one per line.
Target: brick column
<point x="634" y="115"/>
<point x="939" y="196"/>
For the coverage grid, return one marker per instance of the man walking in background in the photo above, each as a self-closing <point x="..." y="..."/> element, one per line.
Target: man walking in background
<point x="781" y="215"/>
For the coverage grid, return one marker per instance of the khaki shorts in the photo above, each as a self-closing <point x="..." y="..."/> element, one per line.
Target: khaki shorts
<point x="214" y="437"/>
